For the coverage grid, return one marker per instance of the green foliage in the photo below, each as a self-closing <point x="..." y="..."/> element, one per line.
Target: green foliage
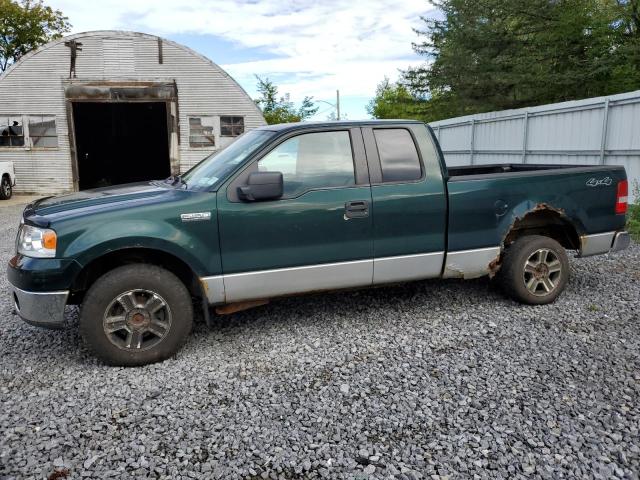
<point x="633" y="222"/>
<point x="281" y="110"/>
<point x="393" y="100"/>
<point x="633" y="215"/>
<point x="26" y="25"/>
<point x="499" y="54"/>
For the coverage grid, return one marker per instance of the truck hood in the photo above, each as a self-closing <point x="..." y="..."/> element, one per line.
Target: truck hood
<point x="87" y="201"/>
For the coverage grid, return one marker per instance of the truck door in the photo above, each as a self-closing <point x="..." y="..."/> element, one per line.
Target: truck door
<point x="409" y="202"/>
<point x="318" y="236"/>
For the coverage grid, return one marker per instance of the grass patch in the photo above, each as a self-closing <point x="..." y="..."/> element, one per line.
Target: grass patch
<point x="633" y="214"/>
<point x="633" y="222"/>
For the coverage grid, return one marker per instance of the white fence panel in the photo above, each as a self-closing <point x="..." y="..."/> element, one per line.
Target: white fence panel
<point x="504" y="134"/>
<point x="594" y="131"/>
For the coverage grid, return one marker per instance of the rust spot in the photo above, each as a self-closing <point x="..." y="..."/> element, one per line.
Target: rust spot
<point x="120" y="83"/>
<point x="239" y="306"/>
<point x="205" y="288"/>
<point x="542" y="218"/>
<point x="545" y="206"/>
<point x="494" y="265"/>
<point x="121" y="91"/>
<point x="584" y="241"/>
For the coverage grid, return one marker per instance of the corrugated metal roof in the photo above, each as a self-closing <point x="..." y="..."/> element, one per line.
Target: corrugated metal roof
<point x="35" y="85"/>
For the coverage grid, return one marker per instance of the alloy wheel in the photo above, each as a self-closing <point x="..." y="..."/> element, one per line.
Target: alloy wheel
<point x="137" y="320"/>
<point x="542" y="272"/>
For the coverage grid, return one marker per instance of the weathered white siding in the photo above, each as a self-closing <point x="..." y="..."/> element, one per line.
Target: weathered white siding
<point x="603" y="130"/>
<point x="36" y="86"/>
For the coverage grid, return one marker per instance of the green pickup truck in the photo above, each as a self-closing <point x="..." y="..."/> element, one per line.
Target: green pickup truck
<point x="289" y="209"/>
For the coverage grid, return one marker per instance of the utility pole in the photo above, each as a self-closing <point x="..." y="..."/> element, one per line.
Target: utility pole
<point x="336" y="105"/>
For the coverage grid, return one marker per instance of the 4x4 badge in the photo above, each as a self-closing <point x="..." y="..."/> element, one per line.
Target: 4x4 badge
<point x="595" y="182"/>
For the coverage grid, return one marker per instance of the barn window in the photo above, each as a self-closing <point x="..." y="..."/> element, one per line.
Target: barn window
<point x="11" y="132"/>
<point x="201" y="132"/>
<point x="42" y="131"/>
<point x="231" y="126"/>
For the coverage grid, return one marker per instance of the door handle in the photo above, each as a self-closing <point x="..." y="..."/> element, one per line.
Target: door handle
<point x="356" y="209"/>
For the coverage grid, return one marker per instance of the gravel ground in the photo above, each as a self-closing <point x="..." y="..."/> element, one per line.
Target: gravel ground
<point x="437" y="379"/>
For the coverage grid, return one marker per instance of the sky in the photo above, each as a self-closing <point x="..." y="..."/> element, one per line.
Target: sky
<point x="306" y="47"/>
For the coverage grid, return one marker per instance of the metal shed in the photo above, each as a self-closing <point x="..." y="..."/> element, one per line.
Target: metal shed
<point x="602" y="130"/>
<point x="99" y="108"/>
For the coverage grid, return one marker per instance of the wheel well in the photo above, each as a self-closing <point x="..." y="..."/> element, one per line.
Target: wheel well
<point x="547" y="222"/>
<point x="6" y="175"/>
<point x="98" y="267"/>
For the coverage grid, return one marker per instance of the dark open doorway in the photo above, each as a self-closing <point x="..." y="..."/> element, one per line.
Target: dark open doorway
<point x="120" y="142"/>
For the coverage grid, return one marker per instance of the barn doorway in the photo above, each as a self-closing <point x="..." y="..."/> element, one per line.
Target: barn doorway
<point x="120" y="142"/>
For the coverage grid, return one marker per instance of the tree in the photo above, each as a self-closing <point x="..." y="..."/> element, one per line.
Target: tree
<point x="333" y="116"/>
<point x="393" y="100"/>
<point x="626" y="30"/>
<point x="26" y="25"/>
<point x="498" y="54"/>
<point x="281" y="110"/>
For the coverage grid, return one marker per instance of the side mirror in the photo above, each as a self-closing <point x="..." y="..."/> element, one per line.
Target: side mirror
<point x="262" y="186"/>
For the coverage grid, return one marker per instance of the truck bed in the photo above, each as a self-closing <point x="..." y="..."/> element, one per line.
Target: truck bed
<point x="514" y="168"/>
<point x="486" y="200"/>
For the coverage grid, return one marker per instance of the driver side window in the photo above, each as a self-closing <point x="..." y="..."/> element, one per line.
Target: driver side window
<point x="312" y="160"/>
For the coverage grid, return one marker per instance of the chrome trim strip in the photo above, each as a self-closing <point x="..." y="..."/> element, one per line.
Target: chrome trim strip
<point x="286" y="281"/>
<point x="407" y="267"/>
<point x="470" y="263"/>
<point x="596" y="244"/>
<point x="40" y="308"/>
<point x="214" y="289"/>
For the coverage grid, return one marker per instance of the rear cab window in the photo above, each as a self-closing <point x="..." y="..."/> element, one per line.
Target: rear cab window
<point x="399" y="159"/>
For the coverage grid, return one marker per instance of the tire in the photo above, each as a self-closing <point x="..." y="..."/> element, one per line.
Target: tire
<point x="135" y="315"/>
<point x="6" y="190"/>
<point x="535" y="270"/>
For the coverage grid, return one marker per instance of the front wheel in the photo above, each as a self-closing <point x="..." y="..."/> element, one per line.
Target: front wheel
<point x="135" y="315"/>
<point x="535" y="270"/>
<point x="5" y="188"/>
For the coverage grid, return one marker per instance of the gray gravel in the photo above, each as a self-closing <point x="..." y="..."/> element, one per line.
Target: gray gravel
<point x="437" y="379"/>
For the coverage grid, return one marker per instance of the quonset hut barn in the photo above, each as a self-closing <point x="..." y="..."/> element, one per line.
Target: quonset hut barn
<point x="102" y="108"/>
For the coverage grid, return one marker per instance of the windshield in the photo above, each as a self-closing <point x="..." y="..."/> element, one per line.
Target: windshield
<point x="215" y="168"/>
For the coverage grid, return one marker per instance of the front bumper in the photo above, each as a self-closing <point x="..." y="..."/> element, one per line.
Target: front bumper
<point x="40" y="288"/>
<point x="603" y="243"/>
<point x="42" y="274"/>
<point x="43" y="309"/>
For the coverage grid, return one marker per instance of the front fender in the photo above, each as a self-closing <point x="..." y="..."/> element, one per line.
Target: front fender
<point x="183" y="243"/>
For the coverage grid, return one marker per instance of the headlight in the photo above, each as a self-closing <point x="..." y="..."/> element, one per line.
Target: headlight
<point x="37" y="242"/>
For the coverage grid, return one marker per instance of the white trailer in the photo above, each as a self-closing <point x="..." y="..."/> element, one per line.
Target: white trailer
<point x="7" y="180"/>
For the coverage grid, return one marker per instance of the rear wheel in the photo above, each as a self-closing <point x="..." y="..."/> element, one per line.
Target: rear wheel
<point x="535" y="270"/>
<point x="135" y="315"/>
<point x="6" y="189"/>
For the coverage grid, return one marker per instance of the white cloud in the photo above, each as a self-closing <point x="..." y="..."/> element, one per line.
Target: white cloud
<point x="317" y="46"/>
